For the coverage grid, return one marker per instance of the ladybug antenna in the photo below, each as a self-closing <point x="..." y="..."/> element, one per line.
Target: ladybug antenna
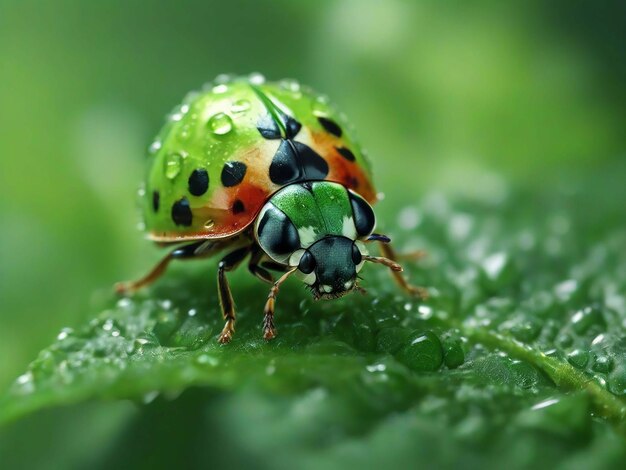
<point x="385" y="262"/>
<point x="376" y="237"/>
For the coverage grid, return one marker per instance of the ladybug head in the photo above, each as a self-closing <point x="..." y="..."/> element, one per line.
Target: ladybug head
<point x="315" y="230"/>
<point x="330" y="266"/>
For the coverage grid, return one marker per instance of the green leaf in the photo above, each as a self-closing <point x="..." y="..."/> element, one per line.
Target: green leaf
<point x="520" y="352"/>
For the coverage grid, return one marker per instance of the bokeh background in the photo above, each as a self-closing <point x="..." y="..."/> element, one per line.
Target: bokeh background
<point x="465" y="98"/>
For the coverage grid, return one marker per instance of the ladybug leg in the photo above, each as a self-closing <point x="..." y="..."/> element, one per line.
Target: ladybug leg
<point x="269" y="332"/>
<point x="389" y="260"/>
<point x="254" y="266"/>
<point x="228" y="263"/>
<point x="415" y="255"/>
<point x="192" y="250"/>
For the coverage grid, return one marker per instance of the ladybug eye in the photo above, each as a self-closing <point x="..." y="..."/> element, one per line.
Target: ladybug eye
<point x="307" y="263"/>
<point x="356" y="254"/>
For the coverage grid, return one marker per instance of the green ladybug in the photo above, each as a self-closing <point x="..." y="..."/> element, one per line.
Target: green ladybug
<point x="268" y="172"/>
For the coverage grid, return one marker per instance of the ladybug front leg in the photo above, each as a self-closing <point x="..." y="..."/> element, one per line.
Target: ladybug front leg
<point x="228" y="263"/>
<point x="390" y="260"/>
<point x="192" y="250"/>
<point x="269" y="331"/>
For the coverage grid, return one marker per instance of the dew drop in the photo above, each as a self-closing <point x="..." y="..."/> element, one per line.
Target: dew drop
<point x="494" y="265"/>
<point x="578" y="358"/>
<point x="425" y="312"/>
<point x="376" y="368"/>
<point x="155" y="147"/>
<point x="179" y="112"/>
<point x="602" y="364"/>
<point x="219" y="89"/>
<point x="207" y="360"/>
<point x="25" y="383"/>
<point x="290" y="84"/>
<point x="545" y="404"/>
<point x="526" y="331"/>
<point x="240" y="106"/>
<point x="423" y="353"/>
<point x="256" y="78"/>
<point x="584" y="319"/>
<point x="185" y="133"/>
<point x="566" y="289"/>
<point x="224" y="78"/>
<point x="108" y="325"/>
<point x="173" y="165"/>
<point x="453" y="354"/>
<point x="617" y="381"/>
<point x="320" y="107"/>
<point x="124" y="303"/>
<point x="220" y="124"/>
<point x="598" y="340"/>
<point x="65" y="332"/>
<point x="209" y="224"/>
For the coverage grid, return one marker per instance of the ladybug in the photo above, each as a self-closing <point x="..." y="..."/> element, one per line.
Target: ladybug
<point x="271" y="173"/>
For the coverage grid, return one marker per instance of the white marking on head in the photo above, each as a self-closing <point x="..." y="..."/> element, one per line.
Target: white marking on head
<point x="294" y="259"/>
<point x="364" y="252"/>
<point x="348" y="285"/>
<point x="348" y="229"/>
<point x="308" y="236"/>
<point x="326" y="288"/>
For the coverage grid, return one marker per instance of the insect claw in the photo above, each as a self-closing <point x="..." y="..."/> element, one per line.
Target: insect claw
<point x="360" y="290"/>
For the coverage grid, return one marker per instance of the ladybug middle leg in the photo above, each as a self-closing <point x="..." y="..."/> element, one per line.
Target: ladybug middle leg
<point x="199" y="249"/>
<point x="257" y="267"/>
<point x="228" y="263"/>
<point x="390" y="253"/>
<point x="269" y="331"/>
<point x="260" y="266"/>
<point x="390" y="258"/>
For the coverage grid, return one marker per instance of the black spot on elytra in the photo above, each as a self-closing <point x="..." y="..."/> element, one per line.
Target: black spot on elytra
<point x="198" y="182"/>
<point x="363" y="214"/>
<point x="268" y="127"/>
<point x="346" y="153"/>
<point x="276" y="233"/>
<point x="238" y="207"/>
<point x="156" y="200"/>
<point x="295" y="161"/>
<point x="233" y="173"/>
<point x="330" y="126"/>
<point x="181" y="212"/>
<point x="292" y="126"/>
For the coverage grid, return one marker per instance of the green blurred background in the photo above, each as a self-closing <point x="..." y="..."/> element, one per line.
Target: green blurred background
<point x="465" y="98"/>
